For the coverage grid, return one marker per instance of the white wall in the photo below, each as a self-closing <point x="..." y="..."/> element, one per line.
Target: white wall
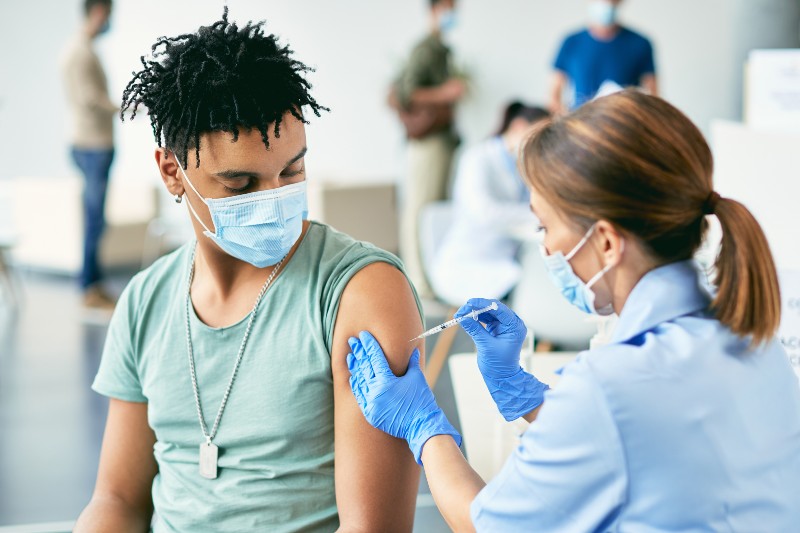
<point x="357" y="46"/>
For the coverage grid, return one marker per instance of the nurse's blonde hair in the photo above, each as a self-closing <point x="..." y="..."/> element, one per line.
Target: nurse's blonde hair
<point x="639" y="163"/>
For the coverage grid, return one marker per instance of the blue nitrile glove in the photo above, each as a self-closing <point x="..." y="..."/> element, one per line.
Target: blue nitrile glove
<point x="515" y="391"/>
<point x="403" y="407"/>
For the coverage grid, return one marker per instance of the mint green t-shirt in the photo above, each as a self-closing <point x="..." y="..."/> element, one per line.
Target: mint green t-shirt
<point x="276" y="433"/>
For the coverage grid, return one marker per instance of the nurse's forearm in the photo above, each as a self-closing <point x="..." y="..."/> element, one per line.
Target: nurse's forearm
<point x="454" y="484"/>
<point x="649" y="84"/>
<point x="112" y="514"/>
<point x="530" y="417"/>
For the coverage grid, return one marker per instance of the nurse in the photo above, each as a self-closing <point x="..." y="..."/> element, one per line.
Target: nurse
<point x="490" y="199"/>
<point x="689" y="420"/>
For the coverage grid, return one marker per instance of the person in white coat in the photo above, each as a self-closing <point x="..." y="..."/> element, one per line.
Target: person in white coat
<point x="478" y="253"/>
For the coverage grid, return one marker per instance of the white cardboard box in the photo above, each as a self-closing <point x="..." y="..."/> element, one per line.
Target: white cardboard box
<point x="772" y="99"/>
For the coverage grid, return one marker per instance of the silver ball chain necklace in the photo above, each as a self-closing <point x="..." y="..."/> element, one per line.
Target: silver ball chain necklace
<point x="209" y="452"/>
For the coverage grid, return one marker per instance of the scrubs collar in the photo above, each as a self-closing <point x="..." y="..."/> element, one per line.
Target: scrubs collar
<point x="663" y="294"/>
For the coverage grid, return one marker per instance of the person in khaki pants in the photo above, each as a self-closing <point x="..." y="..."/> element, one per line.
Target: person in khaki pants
<point x="424" y="96"/>
<point x="92" y="146"/>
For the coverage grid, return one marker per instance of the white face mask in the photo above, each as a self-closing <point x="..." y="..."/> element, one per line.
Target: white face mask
<point x="259" y="228"/>
<point x="577" y="292"/>
<point x="602" y="13"/>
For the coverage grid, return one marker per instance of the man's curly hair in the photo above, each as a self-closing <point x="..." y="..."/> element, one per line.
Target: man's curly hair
<point x="221" y="78"/>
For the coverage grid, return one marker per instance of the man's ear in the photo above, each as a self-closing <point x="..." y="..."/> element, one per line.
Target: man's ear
<point x="610" y="241"/>
<point x="170" y="173"/>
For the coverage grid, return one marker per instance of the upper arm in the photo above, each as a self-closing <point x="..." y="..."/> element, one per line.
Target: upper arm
<point x="82" y="74"/>
<point x="84" y="79"/>
<point x="122" y="495"/>
<point x="557" y="83"/>
<point x="412" y="77"/>
<point x="648" y="68"/>
<point x="569" y="472"/>
<point x="376" y="476"/>
<point x="127" y="464"/>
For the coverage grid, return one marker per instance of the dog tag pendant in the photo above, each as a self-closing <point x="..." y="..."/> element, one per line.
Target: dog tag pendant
<point x="208" y="460"/>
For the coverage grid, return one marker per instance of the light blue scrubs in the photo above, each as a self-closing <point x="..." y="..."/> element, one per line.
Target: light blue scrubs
<point x="674" y="426"/>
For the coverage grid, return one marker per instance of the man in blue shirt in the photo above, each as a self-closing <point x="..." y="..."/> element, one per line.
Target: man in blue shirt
<point x="603" y="53"/>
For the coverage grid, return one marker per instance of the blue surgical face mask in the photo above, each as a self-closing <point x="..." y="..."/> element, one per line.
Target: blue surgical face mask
<point x="578" y="293"/>
<point x="602" y="13"/>
<point x="105" y="27"/>
<point x="259" y="228"/>
<point x="447" y="20"/>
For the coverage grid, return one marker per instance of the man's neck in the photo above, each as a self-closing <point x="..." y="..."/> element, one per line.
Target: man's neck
<point x="604" y="33"/>
<point x="89" y="32"/>
<point x="224" y="274"/>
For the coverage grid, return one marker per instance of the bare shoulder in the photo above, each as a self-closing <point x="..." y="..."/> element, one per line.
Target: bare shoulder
<point x="379" y="299"/>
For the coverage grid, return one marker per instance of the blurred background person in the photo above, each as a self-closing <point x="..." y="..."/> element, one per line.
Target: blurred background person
<point x="478" y="254"/>
<point x="603" y="53"/>
<point x="92" y="142"/>
<point x="424" y="96"/>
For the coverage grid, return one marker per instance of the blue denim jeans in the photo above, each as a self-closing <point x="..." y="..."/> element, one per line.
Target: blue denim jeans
<point x="95" y="165"/>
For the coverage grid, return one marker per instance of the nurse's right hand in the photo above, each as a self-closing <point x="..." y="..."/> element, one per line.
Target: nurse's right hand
<point x="515" y="391"/>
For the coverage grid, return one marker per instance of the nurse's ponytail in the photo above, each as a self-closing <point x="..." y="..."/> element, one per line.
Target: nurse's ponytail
<point x="639" y="163"/>
<point x="748" y="297"/>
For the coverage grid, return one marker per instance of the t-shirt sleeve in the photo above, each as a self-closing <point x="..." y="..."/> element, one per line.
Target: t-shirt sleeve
<point x="118" y="375"/>
<point x="564" y="56"/>
<point x="357" y="257"/>
<point x="648" y="61"/>
<point x="568" y="473"/>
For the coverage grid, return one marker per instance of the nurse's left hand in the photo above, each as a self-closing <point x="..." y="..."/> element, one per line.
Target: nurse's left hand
<point x="515" y="391"/>
<point x="403" y="407"/>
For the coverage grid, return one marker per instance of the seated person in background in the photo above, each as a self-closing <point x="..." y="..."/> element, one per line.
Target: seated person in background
<point x="478" y="253"/>
<point x="605" y="54"/>
<point x="225" y="360"/>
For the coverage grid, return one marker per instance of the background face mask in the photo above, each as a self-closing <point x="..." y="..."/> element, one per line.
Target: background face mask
<point x="259" y="228"/>
<point x="447" y="20"/>
<point x="577" y="292"/>
<point x="602" y="13"/>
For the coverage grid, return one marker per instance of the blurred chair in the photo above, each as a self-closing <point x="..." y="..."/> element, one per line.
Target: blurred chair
<point x="544" y="310"/>
<point x="435" y="219"/>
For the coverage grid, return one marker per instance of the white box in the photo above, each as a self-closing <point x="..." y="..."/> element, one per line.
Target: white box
<point x="772" y="96"/>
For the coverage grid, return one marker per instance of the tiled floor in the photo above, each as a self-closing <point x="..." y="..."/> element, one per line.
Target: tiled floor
<point x="51" y="423"/>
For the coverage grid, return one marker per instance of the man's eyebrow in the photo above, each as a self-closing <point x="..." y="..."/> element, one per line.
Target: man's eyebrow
<point x="239" y="174"/>
<point x="236" y="174"/>
<point x="300" y="155"/>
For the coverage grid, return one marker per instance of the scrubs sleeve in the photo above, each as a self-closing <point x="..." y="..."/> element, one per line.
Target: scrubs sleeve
<point x="568" y="473"/>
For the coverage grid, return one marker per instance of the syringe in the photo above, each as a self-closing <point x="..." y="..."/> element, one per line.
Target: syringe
<point x="450" y="323"/>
